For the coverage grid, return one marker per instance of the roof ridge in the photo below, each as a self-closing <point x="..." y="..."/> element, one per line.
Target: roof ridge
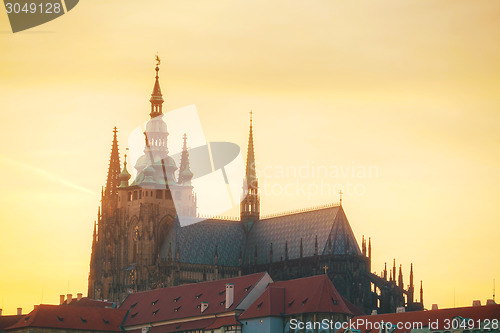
<point x="197" y="283"/>
<point x="302" y="210"/>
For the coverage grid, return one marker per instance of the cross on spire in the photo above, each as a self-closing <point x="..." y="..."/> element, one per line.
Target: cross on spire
<point x="340" y="195"/>
<point x="325" y="268"/>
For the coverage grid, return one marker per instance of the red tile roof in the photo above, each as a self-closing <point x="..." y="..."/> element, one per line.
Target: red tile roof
<point x="6" y="321"/>
<point x="186" y="326"/>
<point x="184" y="301"/>
<point x="73" y="317"/>
<point x="223" y="321"/>
<point x="315" y="294"/>
<point x="439" y="316"/>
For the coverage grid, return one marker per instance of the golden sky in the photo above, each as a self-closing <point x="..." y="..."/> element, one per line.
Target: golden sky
<point x="410" y="89"/>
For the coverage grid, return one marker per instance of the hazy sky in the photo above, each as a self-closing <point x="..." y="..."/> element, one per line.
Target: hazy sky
<point x="407" y="89"/>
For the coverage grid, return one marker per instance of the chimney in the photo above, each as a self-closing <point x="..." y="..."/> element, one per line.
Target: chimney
<point x="229" y="295"/>
<point x="0" y="312"/>
<point x="19" y="311"/>
<point x="435" y="307"/>
<point x="400" y="309"/>
<point x="79" y="296"/>
<point x="69" y="299"/>
<point x="488" y="302"/>
<point x="61" y="299"/>
<point x="476" y="303"/>
<point x="204" y="306"/>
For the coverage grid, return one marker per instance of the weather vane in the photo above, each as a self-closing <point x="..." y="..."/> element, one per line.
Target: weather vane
<point x="157" y="60"/>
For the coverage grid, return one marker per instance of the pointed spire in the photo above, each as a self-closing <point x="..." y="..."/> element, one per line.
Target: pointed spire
<point x="370" y="248"/>
<point x="400" y="277"/>
<point x="411" y="276"/>
<point x="385" y="272"/>
<point x="394" y="270"/>
<point x="363" y="245"/>
<point x="185" y="174"/>
<point x="156" y="96"/>
<point x="250" y="205"/>
<point x="112" y="181"/>
<point x="421" y="293"/>
<point x="250" y="169"/>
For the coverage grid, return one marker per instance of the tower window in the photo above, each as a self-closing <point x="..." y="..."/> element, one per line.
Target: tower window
<point x="159" y="194"/>
<point x="135" y="195"/>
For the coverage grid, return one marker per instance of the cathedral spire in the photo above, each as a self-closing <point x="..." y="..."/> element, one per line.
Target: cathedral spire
<point x="156" y="96"/>
<point x="421" y="293"/>
<point x="185" y="174"/>
<point x="400" y="277"/>
<point x="112" y="181"/>
<point x="250" y="205"/>
<point x="250" y="169"/>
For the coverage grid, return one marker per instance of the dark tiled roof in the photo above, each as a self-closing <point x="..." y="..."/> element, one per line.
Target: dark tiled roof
<point x="184" y="301"/>
<point x="197" y="242"/>
<point x="315" y="294"/>
<point x="6" y="321"/>
<point x="308" y="225"/>
<point x="476" y="313"/>
<point x="73" y="317"/>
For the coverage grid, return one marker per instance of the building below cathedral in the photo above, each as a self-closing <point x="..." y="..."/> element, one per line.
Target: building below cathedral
<point x="139" y="244"/>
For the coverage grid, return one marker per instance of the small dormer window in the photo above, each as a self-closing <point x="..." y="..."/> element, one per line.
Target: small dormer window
<point x="177" y="309"/>
<point x="154" y="302"/>
<point x="199" y="295"/>
<point x="176" y="299"/>
<point x="156" y="311"/>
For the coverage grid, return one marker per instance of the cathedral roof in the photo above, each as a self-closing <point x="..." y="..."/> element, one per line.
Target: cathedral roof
<point x="306" y="226"/>
<point x="197" y="242"/>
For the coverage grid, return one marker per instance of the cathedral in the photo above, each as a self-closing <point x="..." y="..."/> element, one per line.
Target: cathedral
<point x="139" y="244"/>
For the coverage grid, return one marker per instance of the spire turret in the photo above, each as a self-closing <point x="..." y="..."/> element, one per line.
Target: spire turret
<point x="400" y="277"/>
<point x="250" y="205"/>
<point x="156" y="96"/>
<point x="112" y="181"/>
<point x="421" y="293"/>
<point x="124" y="175"/>
<point x="185" y="173"/>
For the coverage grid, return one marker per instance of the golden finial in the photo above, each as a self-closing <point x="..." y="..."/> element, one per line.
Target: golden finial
<point x="157" y="58"/>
